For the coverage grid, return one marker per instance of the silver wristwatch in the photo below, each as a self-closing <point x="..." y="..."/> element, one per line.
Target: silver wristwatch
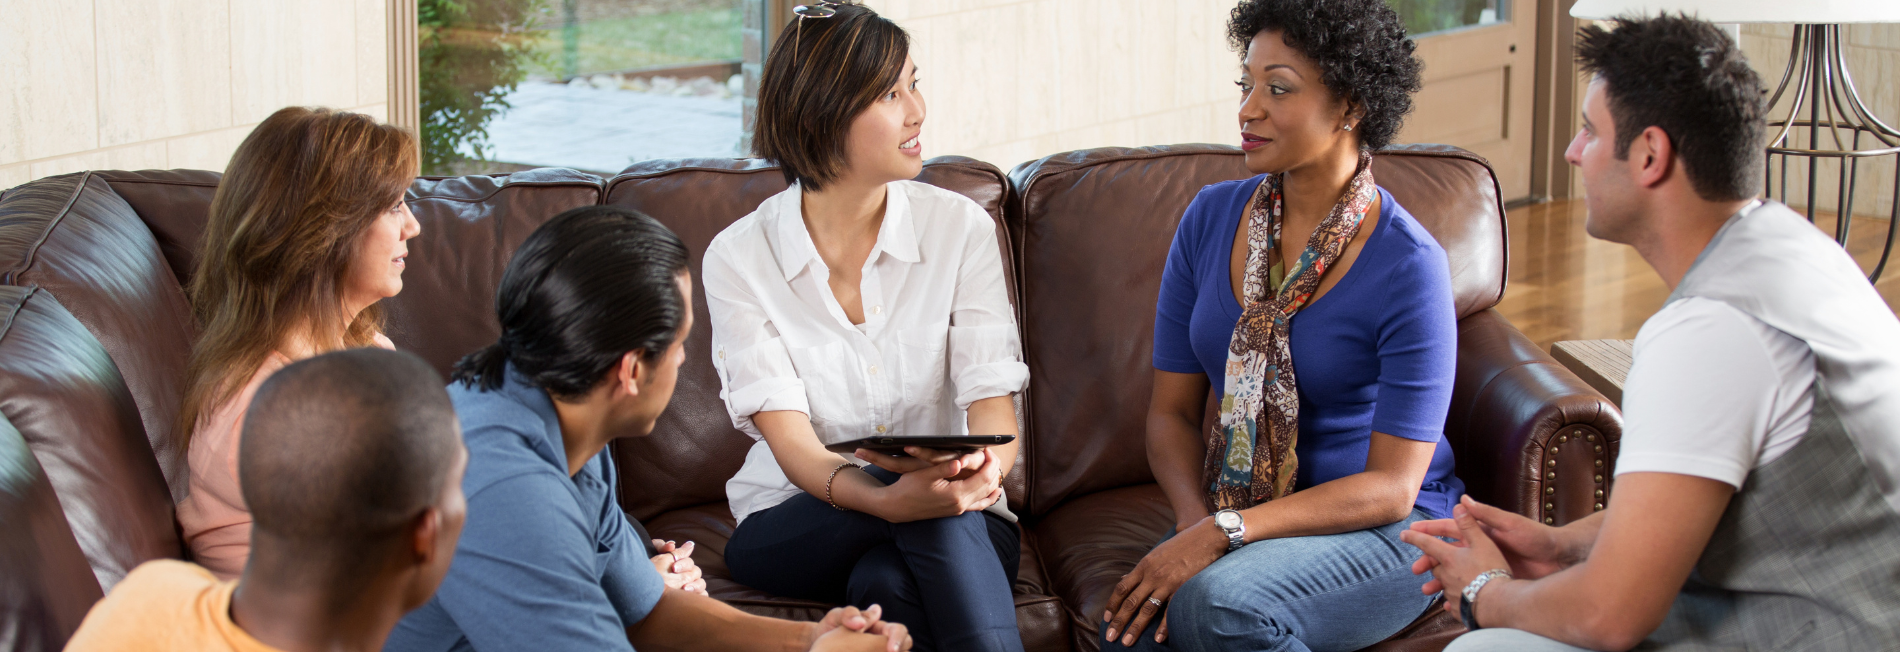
<point x="1468" y="608"/>
<point x="1229" y="521"/>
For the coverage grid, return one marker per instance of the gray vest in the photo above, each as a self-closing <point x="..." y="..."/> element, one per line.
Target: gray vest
<point x="1807" y="555"/>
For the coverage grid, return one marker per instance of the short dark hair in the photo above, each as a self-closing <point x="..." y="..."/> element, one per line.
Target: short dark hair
<point x="584" y="289"/>
<point x="1687" y="77"/>
<point x="1360" y="47"/>
<point x="821" y="74"/>
<point x="340" y="451"/>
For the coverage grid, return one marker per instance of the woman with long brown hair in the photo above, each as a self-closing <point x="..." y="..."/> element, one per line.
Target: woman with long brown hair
<point x="308" y="231"/>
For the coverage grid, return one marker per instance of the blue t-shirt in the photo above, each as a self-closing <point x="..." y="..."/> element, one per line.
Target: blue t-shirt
<point x="1376" y="353"/>
<point x="546" y="562"/>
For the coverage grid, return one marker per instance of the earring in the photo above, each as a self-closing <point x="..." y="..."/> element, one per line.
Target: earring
<point x="1348" y="127"/>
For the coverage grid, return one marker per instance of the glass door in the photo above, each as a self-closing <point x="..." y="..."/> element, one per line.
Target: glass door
<point x="593" y="85"/>
<point x="1479" y="81"/>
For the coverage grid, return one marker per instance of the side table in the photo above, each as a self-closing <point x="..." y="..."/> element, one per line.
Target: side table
<point x="1602" y="364"/>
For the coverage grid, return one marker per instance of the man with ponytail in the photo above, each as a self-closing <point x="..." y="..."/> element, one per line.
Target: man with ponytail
<point x="594" y="312"/>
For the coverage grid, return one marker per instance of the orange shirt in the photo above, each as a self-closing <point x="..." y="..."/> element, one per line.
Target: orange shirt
<point x="165" y="605"/>
<point x="216" y="522"/>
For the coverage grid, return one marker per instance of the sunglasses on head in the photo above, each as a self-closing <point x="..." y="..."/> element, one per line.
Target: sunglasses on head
<point x="819" y="9"/>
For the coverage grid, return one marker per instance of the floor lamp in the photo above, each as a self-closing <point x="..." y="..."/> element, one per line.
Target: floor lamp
<point x="1817" y="77"/>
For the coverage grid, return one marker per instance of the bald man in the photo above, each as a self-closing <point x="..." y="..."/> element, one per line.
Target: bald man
<point x="351" y="463"/>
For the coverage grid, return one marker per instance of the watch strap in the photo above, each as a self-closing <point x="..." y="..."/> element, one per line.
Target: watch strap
<point x="1467" y="607"/>
<point x="1468" y="615"/>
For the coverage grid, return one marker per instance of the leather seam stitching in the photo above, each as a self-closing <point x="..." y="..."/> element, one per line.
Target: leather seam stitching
<point x="6" y="326"/>
<point x="159" y="182"/>
<point x="33" y="252"/>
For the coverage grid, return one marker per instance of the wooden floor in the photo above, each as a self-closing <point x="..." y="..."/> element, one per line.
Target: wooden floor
<point x="1566" y="285"/>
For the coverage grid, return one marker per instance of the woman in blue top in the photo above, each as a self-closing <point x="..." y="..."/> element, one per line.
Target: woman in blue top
<point x="1322" y="314"/>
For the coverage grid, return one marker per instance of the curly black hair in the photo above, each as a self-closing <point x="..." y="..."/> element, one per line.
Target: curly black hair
<point x="1360" y="46"/>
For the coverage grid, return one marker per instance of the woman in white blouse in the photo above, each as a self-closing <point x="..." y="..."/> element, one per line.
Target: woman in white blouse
<point x="858" y="303"/>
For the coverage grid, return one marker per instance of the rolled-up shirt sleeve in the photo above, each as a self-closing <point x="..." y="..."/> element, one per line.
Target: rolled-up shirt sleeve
<point x="985" y="349"/>
<point x="755" y="370"/>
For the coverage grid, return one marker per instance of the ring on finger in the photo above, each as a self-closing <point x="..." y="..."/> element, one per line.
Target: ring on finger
<point x="1154" y="601"/>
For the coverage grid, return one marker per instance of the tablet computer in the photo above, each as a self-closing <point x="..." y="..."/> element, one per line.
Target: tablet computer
<point x="894" y="444"/>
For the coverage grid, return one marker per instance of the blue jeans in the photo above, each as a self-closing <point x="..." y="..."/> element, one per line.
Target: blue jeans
<point x="1333" y="592"/>
<point x="947" y="579"/>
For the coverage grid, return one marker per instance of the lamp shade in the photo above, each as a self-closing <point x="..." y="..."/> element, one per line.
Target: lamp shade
<point x="1810" y="12"/>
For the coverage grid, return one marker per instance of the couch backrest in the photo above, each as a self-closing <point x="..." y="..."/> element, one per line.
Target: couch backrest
<point x="1092" y="230"/>
<point x="94" y="391"/>
<point x="46" y="587"/>
<point x="470" y="228"/>
<point x="65" y="396"/>
<point x="694" y="449"/>
<point x="79" y="239"/>
<point x="174" y="204"/>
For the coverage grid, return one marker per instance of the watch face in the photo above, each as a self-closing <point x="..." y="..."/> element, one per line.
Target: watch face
<point x="1227" y="520"/>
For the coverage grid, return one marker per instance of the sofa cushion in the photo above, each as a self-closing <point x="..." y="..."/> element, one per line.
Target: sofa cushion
<point x="694" y="449"/>
<point x="1090" y="542"/>
<point x="46" y="587"/>
<point x="60" y="389"/>
<point x="175" y="204"/>
<point x="470" y="228"/>
<point x="1040" y="617"/>
<point x="77" y="238"/>
<point x="1092" y="231"/>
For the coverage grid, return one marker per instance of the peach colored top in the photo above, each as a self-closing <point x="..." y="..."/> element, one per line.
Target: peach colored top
<point x="216" y="522"/>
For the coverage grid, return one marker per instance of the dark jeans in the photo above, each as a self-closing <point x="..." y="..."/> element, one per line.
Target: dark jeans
<point x="947" y="579"/>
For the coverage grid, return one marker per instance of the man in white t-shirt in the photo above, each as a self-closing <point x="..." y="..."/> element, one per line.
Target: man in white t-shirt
<point x="1757" y="501"/>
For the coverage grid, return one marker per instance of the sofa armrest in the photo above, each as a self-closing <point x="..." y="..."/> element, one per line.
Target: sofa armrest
<point x="1529" y="435"/>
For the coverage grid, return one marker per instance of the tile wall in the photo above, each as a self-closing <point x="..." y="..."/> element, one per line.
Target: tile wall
<point x="135" y="84"/>
<point x="1008" y="81"/>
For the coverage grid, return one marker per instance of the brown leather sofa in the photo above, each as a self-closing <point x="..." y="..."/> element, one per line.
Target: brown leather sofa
<point x="94" y="334"/>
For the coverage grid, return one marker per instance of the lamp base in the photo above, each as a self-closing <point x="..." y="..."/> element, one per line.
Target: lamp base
<point x="1822" y="84"/>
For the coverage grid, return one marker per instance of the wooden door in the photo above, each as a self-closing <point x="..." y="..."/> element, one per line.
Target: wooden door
<point x="1479" y="82"/>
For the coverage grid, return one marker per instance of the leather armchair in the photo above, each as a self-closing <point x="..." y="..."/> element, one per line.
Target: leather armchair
<point x="91" y="380"/>
<point x="1092" y="230"/>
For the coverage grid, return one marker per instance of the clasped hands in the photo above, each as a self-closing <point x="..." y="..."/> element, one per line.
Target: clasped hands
<point x="1484" y="538"/>
<point x="839" y="631"/>
<point x="676" y="566"/>
<point x="938" y="483"/>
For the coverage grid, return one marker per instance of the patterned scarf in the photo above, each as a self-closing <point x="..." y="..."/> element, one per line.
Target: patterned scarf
<point x="1250" y="457"/>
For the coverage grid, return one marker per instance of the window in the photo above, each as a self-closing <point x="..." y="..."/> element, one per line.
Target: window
<point x="593" y="85"/>
<point x="1425" y="17"/>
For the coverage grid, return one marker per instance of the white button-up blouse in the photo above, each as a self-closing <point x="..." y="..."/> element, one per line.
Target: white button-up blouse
<point x="938" y="333"/>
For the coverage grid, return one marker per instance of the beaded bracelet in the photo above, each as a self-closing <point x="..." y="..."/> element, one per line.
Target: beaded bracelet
<point x="834" y="478"/>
